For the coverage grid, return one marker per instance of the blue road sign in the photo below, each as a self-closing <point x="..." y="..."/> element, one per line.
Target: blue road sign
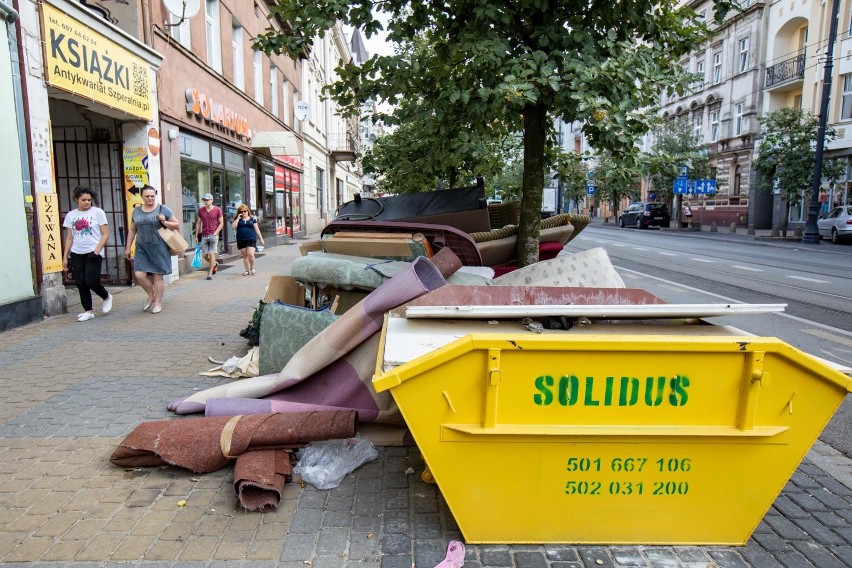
<point x="683" y="171"/>
<point x="680" y="186"/>
<point x="590" y="189"/>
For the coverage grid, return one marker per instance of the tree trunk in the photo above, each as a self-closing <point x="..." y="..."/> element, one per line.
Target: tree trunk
<point x="532" y="185"/>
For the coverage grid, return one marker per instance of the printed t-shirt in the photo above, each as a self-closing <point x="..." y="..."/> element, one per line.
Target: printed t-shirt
<point x="86" y="228"/>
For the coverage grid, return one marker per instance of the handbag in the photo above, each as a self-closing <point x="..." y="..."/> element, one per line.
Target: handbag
<point x="173" y="239"/>
<point x="196" y="260"/>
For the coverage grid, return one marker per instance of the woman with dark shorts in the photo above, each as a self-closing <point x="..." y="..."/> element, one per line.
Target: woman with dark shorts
<point x="248" y="233"/>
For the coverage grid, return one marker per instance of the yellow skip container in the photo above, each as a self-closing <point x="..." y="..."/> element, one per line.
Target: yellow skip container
<point x="649" y="434"/>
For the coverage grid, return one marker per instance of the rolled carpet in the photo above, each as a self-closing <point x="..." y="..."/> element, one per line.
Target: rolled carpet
<point x="260" y="476"/>
<point x="208" y="444"/>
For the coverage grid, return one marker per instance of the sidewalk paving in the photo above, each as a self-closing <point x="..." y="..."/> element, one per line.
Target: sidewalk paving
<point x="74" y="390"/>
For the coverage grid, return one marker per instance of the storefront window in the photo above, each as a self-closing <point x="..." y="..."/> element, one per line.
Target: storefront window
<point x="195" y="182"/>
<point x="236" y="185"/>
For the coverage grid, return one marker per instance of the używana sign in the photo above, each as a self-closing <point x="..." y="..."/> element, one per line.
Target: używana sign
<point x="83" y="62"/>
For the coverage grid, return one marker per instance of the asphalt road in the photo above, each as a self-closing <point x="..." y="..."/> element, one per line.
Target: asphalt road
<point x="814" y="281"/>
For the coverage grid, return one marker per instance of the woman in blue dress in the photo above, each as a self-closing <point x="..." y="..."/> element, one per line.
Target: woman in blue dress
<point x="152" y="259"/>
<point x="248" y="233"/>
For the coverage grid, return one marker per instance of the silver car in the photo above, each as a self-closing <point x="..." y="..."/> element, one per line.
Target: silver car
<point x="836" y="224"/>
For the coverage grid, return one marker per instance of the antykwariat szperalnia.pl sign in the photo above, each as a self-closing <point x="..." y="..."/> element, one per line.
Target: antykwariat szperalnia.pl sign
<point x="82" y="61"/>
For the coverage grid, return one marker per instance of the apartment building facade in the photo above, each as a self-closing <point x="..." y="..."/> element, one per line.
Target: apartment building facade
<point x="797" y="45"/>
<point x="722" y="106"/>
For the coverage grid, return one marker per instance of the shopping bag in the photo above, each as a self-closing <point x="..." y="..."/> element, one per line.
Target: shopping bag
<point x="174" y="240"/>
<point x="196" y="260"/>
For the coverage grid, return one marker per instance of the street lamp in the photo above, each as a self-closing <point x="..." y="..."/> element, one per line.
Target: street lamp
<point x="811" y="236"/>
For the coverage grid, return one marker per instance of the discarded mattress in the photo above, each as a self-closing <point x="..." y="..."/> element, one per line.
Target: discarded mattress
<point x="358" y="272"/>
<point x="284" y="329"/>
<point x="325" y="356"/>
<point x="587" y="269"/>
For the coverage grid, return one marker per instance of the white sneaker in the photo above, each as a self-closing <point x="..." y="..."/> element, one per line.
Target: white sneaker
<point x="85" y="316"/>
<point x="107" y="304"/>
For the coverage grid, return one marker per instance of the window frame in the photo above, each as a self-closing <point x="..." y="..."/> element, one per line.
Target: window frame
<point x="713" y="121"/>
<point x="237" y="34"/>
<point x="745" y="46"/>
<point x="717" y="66"/>
<point x="213" y="31"/>
<point x="846" y="97"/>
<point x="257" y="67"/>
<point x="739" y="118"/>
<point x="273" y="90"/>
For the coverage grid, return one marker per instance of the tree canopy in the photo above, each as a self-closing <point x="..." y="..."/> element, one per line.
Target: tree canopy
<point x="513" y="65"/>
<point x="786" y="155"/>
<point x="675" y="144"/>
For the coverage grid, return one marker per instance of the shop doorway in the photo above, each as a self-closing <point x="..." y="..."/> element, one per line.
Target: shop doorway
<point x="80" y="159"/>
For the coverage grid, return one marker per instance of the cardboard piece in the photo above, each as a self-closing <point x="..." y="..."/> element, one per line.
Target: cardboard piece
<point x="310" y="246"/>
<point x="285" y="289"/>
<point x="392" y="248"/>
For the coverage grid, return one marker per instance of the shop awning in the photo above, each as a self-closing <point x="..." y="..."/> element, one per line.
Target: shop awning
<point x="277" y="143"/>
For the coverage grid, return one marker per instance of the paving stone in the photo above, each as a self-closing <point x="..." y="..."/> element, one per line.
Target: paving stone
<point x="396" y="561"/>
<point x="396" y="544"/>
<point x="599" y="556"/>
<point x="819" y="532"/>
<point x="818" y="555"/>
<point x="793" y="559"/>
<point x="495" y="556"/>
<point x="530" y="560"/>
<point x="727" y="558"/>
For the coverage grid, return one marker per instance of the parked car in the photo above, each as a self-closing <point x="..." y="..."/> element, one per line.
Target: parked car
<point x="836" y="224"/>
<point x="643" y="215"/>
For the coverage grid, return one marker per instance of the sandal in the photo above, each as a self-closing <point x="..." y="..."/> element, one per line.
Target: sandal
<point x="245" y="273"/>
<point x="252" y="271"/>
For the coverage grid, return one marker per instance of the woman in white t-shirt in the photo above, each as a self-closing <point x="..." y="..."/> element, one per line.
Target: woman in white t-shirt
<point x="85" y="238"/>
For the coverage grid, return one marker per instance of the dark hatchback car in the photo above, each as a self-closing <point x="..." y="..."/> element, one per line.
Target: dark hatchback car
<point x="643" y="215"/>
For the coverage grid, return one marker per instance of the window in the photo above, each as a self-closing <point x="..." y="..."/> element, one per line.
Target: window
<point x="738" y="180"/>
<point x="214" y="34"/>
<point x="320" y="187"/>
<point x="258" y="76"/>
<point x="699" y="69"/>
<point x="743" y="54"/>
<point x="846" y="98"/>
<point x="237" y="56"/>
<point x="717" y="66"/>
<point x="698" y="127"/>
<point x="180" y="32"/>
<point x="273" y="90"/>
<point x="285" y="102"/>
<point x="714" y="126"/>
<point x="297" y="126"/>
<point x="739" y="108"/>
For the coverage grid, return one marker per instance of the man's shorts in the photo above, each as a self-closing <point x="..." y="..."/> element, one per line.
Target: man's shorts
<point x="209" y="244"/>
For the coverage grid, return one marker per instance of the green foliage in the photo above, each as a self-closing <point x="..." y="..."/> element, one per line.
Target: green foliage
<point x="571" y="170"/>
<point x="476" y="66"/>
<point x="675" y="144"/>
<point x="786" y="154"/>
<point x="616" y="176"/>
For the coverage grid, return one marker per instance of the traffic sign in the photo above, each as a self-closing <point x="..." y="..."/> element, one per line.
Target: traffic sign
<point x="590" y="189"/>
<point x="680" y="186"/>
<point x="683" y="171"/>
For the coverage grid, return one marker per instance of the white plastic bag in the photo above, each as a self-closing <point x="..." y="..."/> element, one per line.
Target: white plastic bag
<point x="325" y="464"/>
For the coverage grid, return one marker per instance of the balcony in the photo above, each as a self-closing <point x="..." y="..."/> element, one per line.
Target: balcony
<point x="343" y="147"/>
<point x="792" y="69"/>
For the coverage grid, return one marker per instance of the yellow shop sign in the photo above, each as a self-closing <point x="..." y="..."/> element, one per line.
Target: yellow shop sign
<point x="82" y="61"/>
